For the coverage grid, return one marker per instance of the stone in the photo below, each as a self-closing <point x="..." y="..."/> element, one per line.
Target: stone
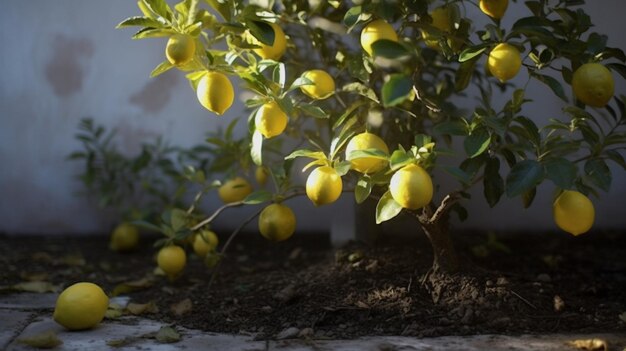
<point x="11" y="324"/>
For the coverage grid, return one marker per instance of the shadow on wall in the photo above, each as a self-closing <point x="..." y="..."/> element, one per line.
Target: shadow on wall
<point x="65" y="71"/>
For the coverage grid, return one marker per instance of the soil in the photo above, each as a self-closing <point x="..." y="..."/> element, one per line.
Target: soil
<point x="515" y="284"/>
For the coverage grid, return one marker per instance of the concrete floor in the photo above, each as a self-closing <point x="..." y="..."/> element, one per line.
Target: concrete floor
<point x="26" y="315"/>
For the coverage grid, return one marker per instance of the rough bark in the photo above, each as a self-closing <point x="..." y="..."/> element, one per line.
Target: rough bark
<point x="435" y="227"/>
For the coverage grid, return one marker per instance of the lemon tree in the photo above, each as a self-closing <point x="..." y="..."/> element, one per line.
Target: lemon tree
<point x="367" y="91"/>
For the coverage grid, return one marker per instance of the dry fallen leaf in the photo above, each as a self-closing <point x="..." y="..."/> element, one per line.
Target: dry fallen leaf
<point x="167" y="335"/>
<point x="132" y="286"/>
<point x="559" y="304"/>
<point x="74" y="260"/>
<point x="44" y="340"/>
<point x="182" y="307"/>
<point x="34" y="276"/>
<point x="36" y="287"/>
<point x="121" y="342"/>
<point x="114" y="311"/>
<point x="141" y="308"/>
<point x="590" y="344"/>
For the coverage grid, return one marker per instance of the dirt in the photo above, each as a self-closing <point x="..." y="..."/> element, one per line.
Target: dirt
<point x="513" y="284"/>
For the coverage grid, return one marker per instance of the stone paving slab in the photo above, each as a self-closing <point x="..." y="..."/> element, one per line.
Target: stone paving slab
<point x="28" y="301"/>
<point x="11" y="324"/>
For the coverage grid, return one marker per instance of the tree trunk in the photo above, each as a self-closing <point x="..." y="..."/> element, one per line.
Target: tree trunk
<point x="445" y="259"/>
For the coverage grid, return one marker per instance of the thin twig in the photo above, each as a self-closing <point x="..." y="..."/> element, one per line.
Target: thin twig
<point x="227" y="244"/>
<point x="523" y="299"/>
<point x="215" y="214"/>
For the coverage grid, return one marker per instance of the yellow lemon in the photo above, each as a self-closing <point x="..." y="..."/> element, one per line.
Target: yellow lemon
<point x="494" y="8"/>
<point x="573" y="212"/>
<point x="180" y="49"/>
<point x="277" y="222"/>
<point x="260" y="174"/>
<point x="365" y="141"/>
<point x="375" y="31"/>
<point x="81" y="306"/>
<point x="411" y="187"/>
<point x="270" y="120"/>
<point x="204" y="242"/>
<point x="323" y="186"/>
<point x="215" y="92"/>
<point x="593" y="84"/>
<point x="234" y="190"/>
<point x="504" y="61"/>
<point x="274" y="51"/>
<point x="323" y="84"/>
<point x="172" y="260"/>
<point x="441" y="21"/>
<point x="124" y="237"/>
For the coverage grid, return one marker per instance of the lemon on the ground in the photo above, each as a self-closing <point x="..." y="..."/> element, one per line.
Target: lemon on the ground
<point x="81" y="306"/>
<point x="277" y="222"/>
<point x="323" y="186"/>
<point x="270" y="120"/>
<point x="274" y="51"/>
<point x="411" y="187"/>
<point x="573" y="212"/>
<point x="172" y="259"/>
<point x="180" y="49"/>
<point x="593" y="84"/>
<point x="494" y="8"/>
<point x="260" y="174"/>
<point x="375" y="31"/>
<point x="323" y="84"/>
<point x="441" y="21"/>
<point x="365" y="141"/>
<point x="204" y="242"/>
<point x="234" y="190"/>
<point x="124" y="237"/>
<point x="504" y="61"/>
<point x="215" y="92"/>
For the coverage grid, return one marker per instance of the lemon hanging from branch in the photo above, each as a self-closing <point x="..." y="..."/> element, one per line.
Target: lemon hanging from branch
<point x="215" y="92"/>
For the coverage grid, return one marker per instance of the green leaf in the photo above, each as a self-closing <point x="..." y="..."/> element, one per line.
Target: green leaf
<point x="599" y="173"/>
<point x="528" y="197"/>
<point x="262" y="31"/>
<point x="464" y="74"/>
<point x="493" y="183"/>
<point x="352" y="16"/>
<point x="160" y="7"/>
<point x="140" y="21"/>
<point x="256" y="150"/>
<point x="561" y="172"/>
<point x="477" y="142"/>
<point x="314" y="111"/>
<point x="452" y="127"/>
<point x="161" y="68"/>
<point x="318" y="155"/>
<point x="147" y="225"/>
<point x="387" y="208"/>
<point x="361" y="89"/>
<point x="343" y="168"/>
<point x="473" y="52"/>
<point x="459" y="174"/>
<point x="370" y="153"/>
<point x="532" y="132"/>
<point x="396" y="90"/>
<point x="258" y="197"/>
<point x="363" y="188"/>
<point x="178" y="219"/>
<point x="619" y="68"/>
<point x="524" y="176"/>
<point x="399" y="159"/>
<point x="222" y="7"/>
<point x="152" y="33"/>
<point x="389" y="49"/>
<point x="552" y="83"/>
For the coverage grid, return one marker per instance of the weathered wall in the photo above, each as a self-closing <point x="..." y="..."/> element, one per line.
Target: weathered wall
<point x="63" y="60"/>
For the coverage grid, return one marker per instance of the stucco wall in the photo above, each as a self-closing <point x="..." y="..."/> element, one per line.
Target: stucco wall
<point x="63" y="60"/>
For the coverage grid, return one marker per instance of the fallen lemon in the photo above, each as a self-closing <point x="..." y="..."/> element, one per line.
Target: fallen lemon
<point x="81" y="306"/>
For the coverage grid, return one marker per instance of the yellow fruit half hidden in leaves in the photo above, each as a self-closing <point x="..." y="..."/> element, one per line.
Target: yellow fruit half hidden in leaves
<point x="323" y="186"/>
<point x="411" y="187"/>
<point x="81" y="306"/>
<point x="180" y="49"/>
<point x="260" y="174"/>
<point x="375" y="31"/>
<point x="441" y="21"/>
<point x="204" y="242"/>
<point x="593" y="84"/>
<point x="573" y="212"/>
<point x="125" y="237"/>
<point x="172" y="260"/>
<point x="234" y="190"/>
<point x="323" y="84"/>
<point x="274" y="51"/>
<point x="504" y="61"/>
<point x="365" y="141"/>
<point x="270" y="120"/>
<point x="277" y="222"/>
<point x="494" y="8"/>
<point x="215" y="92"/>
